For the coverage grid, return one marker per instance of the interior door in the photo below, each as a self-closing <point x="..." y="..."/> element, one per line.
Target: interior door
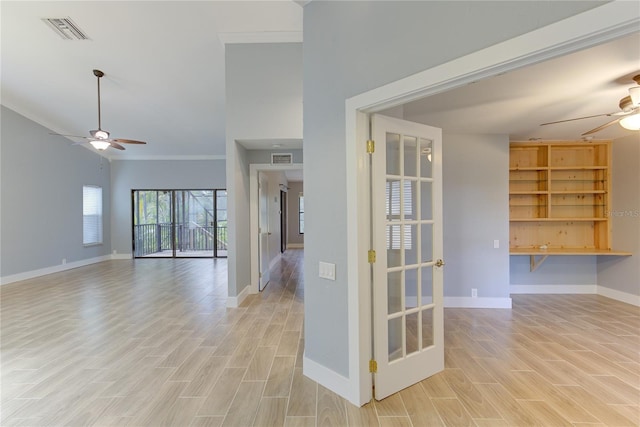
<point x="263" y="231"/>
<point x="407" y="237"/>
<point x="283" y="221"/>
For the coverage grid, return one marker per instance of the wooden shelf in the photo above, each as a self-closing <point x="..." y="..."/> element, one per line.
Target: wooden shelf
<point x="559" y="194"/>
<point x="556" y="219"/>
<point x="566" y="251"/>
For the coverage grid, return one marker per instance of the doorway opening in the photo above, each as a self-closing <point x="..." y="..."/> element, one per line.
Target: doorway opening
<point x="179" y="223"/>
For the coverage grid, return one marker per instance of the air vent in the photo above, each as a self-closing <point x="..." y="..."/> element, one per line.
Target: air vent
<point x="66" y="28"/>
<point x="281" y="158"/>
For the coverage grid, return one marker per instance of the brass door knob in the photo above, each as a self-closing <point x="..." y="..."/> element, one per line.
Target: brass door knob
<point x="439" y="263"/>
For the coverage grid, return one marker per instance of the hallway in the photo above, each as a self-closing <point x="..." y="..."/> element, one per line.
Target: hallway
<point x="150" y="342"/>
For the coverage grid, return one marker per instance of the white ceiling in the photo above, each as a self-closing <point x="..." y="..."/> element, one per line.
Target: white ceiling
<point x="163" y="64"/>
<point x="164" y="82"/>
<point x="581" y="84"/>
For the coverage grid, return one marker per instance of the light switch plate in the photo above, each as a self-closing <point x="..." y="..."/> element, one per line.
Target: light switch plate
<point x="327" y="270"/>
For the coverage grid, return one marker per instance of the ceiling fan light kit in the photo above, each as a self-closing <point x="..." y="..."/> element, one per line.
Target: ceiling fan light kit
<point x="631" y="122"/>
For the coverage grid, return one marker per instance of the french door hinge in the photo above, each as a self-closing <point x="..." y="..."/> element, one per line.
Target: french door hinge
<point x="260" y="275"/>
<point x="371" y="146"/>
<point x="371" y="256"/>
<point x="373" y="366"/>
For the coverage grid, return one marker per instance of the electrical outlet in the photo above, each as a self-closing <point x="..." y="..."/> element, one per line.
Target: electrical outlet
<point x="496" y="244"/>
<point x="474" y="293"/>
<point x="64" y="261"/>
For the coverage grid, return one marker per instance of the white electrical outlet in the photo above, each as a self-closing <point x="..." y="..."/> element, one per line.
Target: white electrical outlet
<point x="474" y="293"/>
<point x="64" y="261"/>
<point x="327" y="270"/>
<point x="496" y="244"/>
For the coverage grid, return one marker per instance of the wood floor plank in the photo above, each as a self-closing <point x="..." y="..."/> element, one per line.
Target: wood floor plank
<point x="242" y="411"/>
<point x="452" y="412"/>
<point x="271" y="412"/>
<point x="260" y="364"/>
<point x="331" y="409"/>
<point x="419" y="407"/>
<point x="303" y="396"/>
<point x="280" y="376"/>
<point x="219" y="399"/>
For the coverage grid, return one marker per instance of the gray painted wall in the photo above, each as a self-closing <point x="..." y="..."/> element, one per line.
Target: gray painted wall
<point x="293" y="235"/>
<point x="349" y="48"/>
<point x="476" y="212"/>
<point x="623" y="273"/>
<point x="127" y="175"/>
<point x="263" y="101"/>
<point x="41" y="178"/>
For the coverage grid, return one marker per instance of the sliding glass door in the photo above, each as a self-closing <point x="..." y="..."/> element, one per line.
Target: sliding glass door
<point x="179" y="223"/>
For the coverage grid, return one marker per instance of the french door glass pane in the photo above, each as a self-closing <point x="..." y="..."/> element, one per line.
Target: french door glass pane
<point x="410" y="156"/>
<point x="426" y="285"/>
<point x="426" y="236"/>
<point x="426" y="207"/>
<point x="394" y="292"/>
<point x="395" y="338"/>
<point x="426" y="156"/>
<point x="427" y="327"/>
<point x="413" y="333"/>
<point x="393" y="154"/>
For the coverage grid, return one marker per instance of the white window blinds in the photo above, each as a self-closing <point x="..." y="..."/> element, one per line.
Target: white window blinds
<point x="91" y="215"/>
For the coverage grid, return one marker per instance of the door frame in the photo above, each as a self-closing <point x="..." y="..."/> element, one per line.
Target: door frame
<point x="254" y="168"/>
<point x="590" y="28"/>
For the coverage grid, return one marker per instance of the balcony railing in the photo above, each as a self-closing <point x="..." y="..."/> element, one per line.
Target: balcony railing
<point x="155" y="238"/>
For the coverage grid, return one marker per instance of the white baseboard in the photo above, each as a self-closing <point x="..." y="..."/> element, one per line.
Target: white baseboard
<point x="619" y="296"/>
<point x="234" y="302"/>
<point x="577" y="289"/>
<point x="327" y="378"/>
<point x="53" y="269"/>
<point x="471" y="302"/>
<point x="553" y="289"/>
<point x="295" y="245"/>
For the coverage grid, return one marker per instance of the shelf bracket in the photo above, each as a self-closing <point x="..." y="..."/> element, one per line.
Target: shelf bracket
<point x="535" y="263"/>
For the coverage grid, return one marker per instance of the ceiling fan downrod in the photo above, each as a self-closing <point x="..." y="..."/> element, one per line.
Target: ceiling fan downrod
<point x="99" y="133"/>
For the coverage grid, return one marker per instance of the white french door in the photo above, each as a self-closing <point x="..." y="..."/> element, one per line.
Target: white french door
<point x="407" y="237"/>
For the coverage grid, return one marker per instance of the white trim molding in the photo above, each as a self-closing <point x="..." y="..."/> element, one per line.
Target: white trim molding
<point x="295" y="245"/>
<point x="234" y="302"/>
<point x="619" y="295"/>
<point x="553" y="289"/>
<point x="53" y="269"/>
<point x="471" y="302"/>
<point x="326" y="377"/>
<point x="577" y="290"/>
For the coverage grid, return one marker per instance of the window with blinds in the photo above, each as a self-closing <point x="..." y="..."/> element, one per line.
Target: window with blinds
<point x="91" y="215"/>
<point x="394" y="236"/>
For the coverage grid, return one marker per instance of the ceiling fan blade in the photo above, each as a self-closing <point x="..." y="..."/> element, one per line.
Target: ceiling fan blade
<point x="617" y="113"/>
<point x="599" y="128"/>
<point x="128" y="141"/>
<point x="69" y="136"/>
<point x="116" y="145"/>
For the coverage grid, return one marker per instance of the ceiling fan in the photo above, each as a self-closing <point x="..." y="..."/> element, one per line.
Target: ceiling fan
<point x="628" y="116"/>
<point x="99" y="138"/>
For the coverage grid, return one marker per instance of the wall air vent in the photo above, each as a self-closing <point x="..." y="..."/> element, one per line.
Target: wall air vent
<point x="281" y="158"/>
<point x="66" y="28"/>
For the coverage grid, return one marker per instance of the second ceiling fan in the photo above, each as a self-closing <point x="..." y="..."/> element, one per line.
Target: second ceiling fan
<point x="628" y="116"/>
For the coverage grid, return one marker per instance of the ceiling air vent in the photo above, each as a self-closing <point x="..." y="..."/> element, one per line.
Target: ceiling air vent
<point x="65" y="28"/>
<point x="281" y="158"/>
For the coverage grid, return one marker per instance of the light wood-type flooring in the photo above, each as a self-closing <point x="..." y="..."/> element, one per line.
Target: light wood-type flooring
<point x="150" y="343"/>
